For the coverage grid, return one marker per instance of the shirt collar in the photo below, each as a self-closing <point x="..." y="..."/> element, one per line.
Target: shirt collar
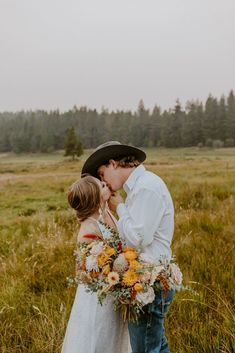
<point x="130" y="182"/>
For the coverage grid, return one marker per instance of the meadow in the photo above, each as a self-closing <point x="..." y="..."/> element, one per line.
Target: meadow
<point x="38" y="237"/>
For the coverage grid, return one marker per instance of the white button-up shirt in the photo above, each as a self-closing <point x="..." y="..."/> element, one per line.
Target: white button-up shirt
<point x="146" y="219"/>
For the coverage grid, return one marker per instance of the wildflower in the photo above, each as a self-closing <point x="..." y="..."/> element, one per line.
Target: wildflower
<point x="146" y="297"/>
<point x="120" y="246"/>
<point x="120" y="264"/>
<point x="109" y="251"/>
<point x="138" y="287"/>
<point x="145" y="277"/>
<point x="135" y="265"/>
<point x="128" y="248"/>
<point x="94" y="274"/>
<point x="155" y="272"/>
<point x="130" y="254"/>
<point x="106" y="269"/>
<point x="102" y="259"/>
<point x="130" y="277"/>
<point x="113" y="278"/>
<point x="97" y="249"/>
<point x="84" y="277"/>
<point x="176" y="274"/>
<point x="91" y="263"/>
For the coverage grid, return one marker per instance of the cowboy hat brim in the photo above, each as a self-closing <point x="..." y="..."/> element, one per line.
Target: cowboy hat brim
<point x="102" y="155"/>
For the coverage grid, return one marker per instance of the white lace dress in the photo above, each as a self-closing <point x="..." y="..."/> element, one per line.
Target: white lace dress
<point x="95" y="328"/>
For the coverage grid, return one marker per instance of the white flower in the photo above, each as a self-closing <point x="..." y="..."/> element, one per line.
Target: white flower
<point x="91" y="263"/>
<point x="156" y="270"/>
<point x="146" y="297"/>
<point x="113" y="278"/>
<point x="97" y="249"/>
<point x="145" y="277"/>
<point x="176" y="274"/>
<point x="120" y="264"/>
<point x="146" y="258"/>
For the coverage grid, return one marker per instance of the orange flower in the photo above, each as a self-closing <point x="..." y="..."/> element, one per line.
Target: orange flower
<point x="130" y="255"/>
<point x="128" y="248"/>
<point x="130" y="277"/>
<point x="133" y="294"/>
<point x="138" y="287"/>
<point x="94" y="274"/>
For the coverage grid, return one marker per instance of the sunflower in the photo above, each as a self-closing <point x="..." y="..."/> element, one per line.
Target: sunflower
<point x="130" y="277"/>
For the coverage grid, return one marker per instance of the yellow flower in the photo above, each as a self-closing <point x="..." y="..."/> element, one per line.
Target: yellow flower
<point x="138" y="287"/>
<point x="135" y="265"/>
<point x="109" y="251"/>
<point x="113" y="278"/>
<point x="106" y="270"/>
<point x="130" y="277"/>
<point x="102" y="259"/>
<point x="130" y="255"/>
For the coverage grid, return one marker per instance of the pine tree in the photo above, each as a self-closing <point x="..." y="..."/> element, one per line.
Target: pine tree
<point x="72" y="145"/>
<point x="230" y="128"/>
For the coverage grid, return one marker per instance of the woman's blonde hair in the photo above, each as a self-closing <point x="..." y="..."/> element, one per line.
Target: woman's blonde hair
<point x="84" y="197"/>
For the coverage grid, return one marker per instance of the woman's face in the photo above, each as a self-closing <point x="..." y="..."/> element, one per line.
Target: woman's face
<point x="104" y="190"/>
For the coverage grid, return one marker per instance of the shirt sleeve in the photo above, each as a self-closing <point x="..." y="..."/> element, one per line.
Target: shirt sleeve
<point x="138" y="222"/>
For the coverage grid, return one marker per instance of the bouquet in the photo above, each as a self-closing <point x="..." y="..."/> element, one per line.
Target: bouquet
<point x="108" y="267"/>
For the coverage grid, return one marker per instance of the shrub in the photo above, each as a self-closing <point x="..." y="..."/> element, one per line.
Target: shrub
<point x="217" y="144"/>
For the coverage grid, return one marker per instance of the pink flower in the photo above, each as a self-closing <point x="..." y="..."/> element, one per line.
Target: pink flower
<point x="176" y="274"/>
<point x="146" y="297"/>
<point x="145" y="277"/>
<point x="97" y="249"/>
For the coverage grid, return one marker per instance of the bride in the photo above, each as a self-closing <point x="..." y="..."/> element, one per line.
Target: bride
<point x="93" y="328"/>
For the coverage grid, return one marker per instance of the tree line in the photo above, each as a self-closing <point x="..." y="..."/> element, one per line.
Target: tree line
<point x="211" y="124"/>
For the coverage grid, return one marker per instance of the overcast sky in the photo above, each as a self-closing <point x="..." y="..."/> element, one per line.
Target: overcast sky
<point x="111" y="53"/>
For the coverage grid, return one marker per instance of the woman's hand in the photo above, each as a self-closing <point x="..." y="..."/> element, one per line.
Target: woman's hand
<point x="114" y="201"/>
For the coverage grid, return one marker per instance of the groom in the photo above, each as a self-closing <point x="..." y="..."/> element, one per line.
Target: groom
<point x="146" y="220"/>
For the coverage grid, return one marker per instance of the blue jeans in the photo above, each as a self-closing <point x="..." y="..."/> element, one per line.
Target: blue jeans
<point x="148" y="334"/>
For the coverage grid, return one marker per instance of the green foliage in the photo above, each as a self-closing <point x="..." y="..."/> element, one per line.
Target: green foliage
<point x="73" y="146"/>
<point x="196" y="125"/>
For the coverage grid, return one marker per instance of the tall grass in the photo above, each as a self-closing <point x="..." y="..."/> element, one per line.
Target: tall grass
<point x="38" y="236"/>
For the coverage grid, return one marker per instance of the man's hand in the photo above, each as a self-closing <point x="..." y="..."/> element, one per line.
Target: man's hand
<point x="114" y="201"/>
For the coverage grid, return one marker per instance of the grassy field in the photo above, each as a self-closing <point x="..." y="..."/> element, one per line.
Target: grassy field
<point x="38" y="236"/>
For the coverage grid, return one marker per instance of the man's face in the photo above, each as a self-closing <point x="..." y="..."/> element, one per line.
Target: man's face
<point x="110" y="173"/>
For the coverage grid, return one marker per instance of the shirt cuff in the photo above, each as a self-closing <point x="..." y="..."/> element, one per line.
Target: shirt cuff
<point x="121" y="210"/>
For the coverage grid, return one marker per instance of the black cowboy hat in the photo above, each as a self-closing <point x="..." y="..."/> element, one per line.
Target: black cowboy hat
<point x="110" y="150"/>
